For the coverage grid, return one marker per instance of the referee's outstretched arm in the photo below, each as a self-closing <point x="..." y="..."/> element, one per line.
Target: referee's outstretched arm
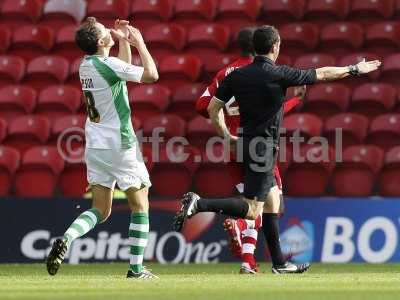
<point x="336" y="73"/>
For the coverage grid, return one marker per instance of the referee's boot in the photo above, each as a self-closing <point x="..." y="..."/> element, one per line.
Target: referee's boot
<point x="188" y="210"/>
<point x="289" y="268"/>
<point x="56" y="256"/>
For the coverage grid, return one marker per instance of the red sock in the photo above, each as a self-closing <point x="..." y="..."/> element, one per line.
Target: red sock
<point x="258" y="222"/>
<point x="249" y="243"/>
<point x="241" y="223"/>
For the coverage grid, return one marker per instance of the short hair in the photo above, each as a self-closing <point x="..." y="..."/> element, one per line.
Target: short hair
<point x="245" y="40"/>
<point x="87" y="36"/>
<point x="264" y="38"/>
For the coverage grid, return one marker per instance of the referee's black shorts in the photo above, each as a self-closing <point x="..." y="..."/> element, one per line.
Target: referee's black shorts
<point x="259" y="159"/>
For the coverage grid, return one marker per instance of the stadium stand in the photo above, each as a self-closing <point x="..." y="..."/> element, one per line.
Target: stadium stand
<point x="389" y="178"/>
<point x="357" y="174"/>
<point x="191" y="40"/>
<point x="149" y="101"/>
<point x="16" y="100"/>
<point x="327" y="99"/>
<point x="9" y="163"/>
<point x="39" y="171"/>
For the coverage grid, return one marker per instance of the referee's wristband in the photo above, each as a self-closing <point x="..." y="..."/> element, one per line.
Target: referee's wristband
<point x="353" y="70"/>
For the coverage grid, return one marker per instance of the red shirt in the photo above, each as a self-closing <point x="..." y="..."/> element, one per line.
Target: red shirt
<point x="232" y="116"/>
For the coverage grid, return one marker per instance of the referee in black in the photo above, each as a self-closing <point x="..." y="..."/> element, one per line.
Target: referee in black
<point x="260" y="90"/>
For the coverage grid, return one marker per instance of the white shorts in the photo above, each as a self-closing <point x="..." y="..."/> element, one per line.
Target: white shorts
<point x="125" y="167"/>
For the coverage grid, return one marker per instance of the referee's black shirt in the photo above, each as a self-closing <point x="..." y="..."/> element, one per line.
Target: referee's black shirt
<point x="260" y="90"/>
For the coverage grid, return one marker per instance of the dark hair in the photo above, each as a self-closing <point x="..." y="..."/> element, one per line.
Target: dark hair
<point x="245" y="40"/>
<point x="264" y="38"/>
<point x="87" y="36"/>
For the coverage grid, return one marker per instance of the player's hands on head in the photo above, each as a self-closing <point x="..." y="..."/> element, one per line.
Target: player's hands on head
<point x="120" y="30"/>
<point x="300" y="91"/>
<point x="135" y="38"/>
<point x="365" y="67"/>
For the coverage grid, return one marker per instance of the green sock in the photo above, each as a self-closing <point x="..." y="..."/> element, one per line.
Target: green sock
<point x="138" y="236"/>
<point x="82" y="225"/>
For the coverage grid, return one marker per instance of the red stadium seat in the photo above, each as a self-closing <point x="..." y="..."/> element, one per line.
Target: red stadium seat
<point x="165" y="39"/>
<point x="178" y="69"/>
<point x="65" y="44"/>
<point x="218" y="62"/>
<point x="327" y="99"/>
<point x="213" y="165"/>
<point x="308" y="125"/>
<point x="238" y="14"/>
<point x="299" y="38"/>
<point x="46" y="70"/>
<point x="74" y="172"/>
<point x="168" y="36"/>
<point x="9" y="164"/>
<point x="178" y="163"/>
<point x="58" y="101"/>
<point x="184" y="100"/>
<point x="314" y="166"/>
<point x="340" y="37"/>
<point x="207" y="40"/>
<point x="371" y="10"/>
<point x="5" y="39"/>
<point x="147" y="13"/>
<point x="249" y="9"/>
<point x="200" y="130"/>
<point x="16" y="13"/>
<point x="284" y="60"/>
<point x="15" y="101"/>
<point x="168" y="126"/>
<point x="28" y="131"/>
<point x="73" y="78"/>
<point x="31" y="41"/>
<point x="68" y="134"/>
<point x="312" y="61"/>
<point x="3" y="129"/>
<point x="391" y="68"/>
<point x="149" y="100"/>
<point x="355" y="176"/>
<point x="354" y="58"/>
<point x="353" y="126"/>
<point x="390" y="174"/>
<point x="12" y="69"/>
<point x="283" y="11"/>
<point x="326" y="11"/>
<point x="209" y="36"/>
<point x="397" y="8"/>
<point x="190" y="12"/>
<point x="106" y="9"/>
<point x="383" y="37"/>
<point x="372" y="99"/>
<point x="60" y="13"/>
<point x="39" y="171"/>
<point x="385" y="131"/>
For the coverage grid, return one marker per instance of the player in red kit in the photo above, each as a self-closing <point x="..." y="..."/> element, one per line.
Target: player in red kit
<point x="243" y="233"/>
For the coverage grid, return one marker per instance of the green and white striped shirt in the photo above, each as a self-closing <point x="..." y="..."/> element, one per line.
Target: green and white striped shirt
<point x="103" y="82"/>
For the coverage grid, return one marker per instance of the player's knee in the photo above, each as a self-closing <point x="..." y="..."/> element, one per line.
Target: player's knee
<point x="253" y="212"/>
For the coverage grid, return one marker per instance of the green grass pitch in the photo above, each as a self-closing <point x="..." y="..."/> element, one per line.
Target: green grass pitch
<point x="191" y="282"/>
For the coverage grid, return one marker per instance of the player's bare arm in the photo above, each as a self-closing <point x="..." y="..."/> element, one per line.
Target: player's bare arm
<point x="216" y="113"/>
<point x="135" y="39"/>
<point x="121" y="33"/>
<point x="336" y="73"/>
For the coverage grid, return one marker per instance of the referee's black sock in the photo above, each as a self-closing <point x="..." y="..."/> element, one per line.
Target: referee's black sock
<point x="270" y="228"/>
<point x="233" y="207"/>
